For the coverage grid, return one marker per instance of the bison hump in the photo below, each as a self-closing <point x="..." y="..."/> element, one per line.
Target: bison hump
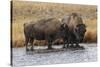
<point x="48" y="25"/>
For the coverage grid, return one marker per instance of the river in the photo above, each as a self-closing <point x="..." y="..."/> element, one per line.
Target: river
<point x="21" y="58"/>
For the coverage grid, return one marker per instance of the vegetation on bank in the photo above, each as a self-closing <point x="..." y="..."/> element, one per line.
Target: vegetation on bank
<point x="24" y="12"/>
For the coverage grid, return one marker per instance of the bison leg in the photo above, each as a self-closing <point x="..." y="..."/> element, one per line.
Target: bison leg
<point x="26" y="43"/>
<point x="72" y="44"/>
<point x="50" y="44"/>
<point x="77" y="45"/>
<point x="31" y="41"/>
<point x="64" y="46"/>
<point x="67" y="44"/>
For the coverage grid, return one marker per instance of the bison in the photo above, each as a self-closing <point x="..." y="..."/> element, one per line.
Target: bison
<point x="76" y="27"/>
<point x="45" y="29"/>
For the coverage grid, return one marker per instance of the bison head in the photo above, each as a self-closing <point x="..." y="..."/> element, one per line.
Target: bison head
<point x="64" y="30"/>
<point x="80" y="30"/>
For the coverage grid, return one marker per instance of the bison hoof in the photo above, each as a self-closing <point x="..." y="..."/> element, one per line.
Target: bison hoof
<point x="71" y="46"/>
<point x="77" y="46"/>
<point x="80" y="47"/>
<point x="68" y="46"/>
<point x="63" y="47"/>
<point x="49" y="48"/>
<point x="32" y="49"/>
<point x="27" y="49"/>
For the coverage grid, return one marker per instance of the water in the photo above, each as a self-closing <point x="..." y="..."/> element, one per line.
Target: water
<point x="21" y="58"/>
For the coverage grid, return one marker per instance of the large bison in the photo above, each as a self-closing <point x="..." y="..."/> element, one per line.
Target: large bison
<point x="76" y="27"/>
<point x="46" y="29"/>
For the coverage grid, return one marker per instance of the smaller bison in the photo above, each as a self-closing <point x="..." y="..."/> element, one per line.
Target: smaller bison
<point x="46" y="29"/>
<point x="81" y="29"/>
<point x="76" y="27"/>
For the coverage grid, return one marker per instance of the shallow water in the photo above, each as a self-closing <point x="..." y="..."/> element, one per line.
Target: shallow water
<point x="21" y="58"/>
